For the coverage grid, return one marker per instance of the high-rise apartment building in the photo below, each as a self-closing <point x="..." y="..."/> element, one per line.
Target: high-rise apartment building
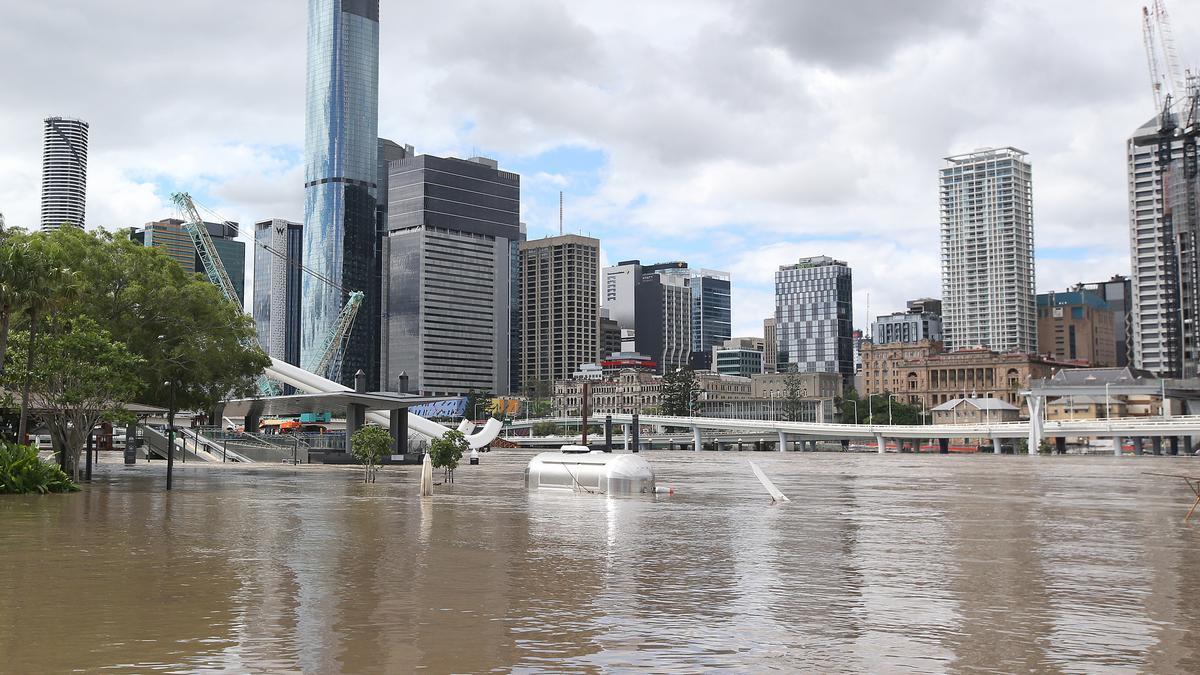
<point x="341" y="155"/>
<point x="814" y="314"/>
<point x="64" y="172"/>
<point x="770" y="346"/>
<point x="560" y="306"/>
<point x="277" y="287"/>
<point x="169" y="236"/>
<point x="986" y="206"/>
<point x="448" y="284"/>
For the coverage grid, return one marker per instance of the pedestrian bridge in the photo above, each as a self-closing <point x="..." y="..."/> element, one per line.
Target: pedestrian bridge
<point x="1183" y="427"/>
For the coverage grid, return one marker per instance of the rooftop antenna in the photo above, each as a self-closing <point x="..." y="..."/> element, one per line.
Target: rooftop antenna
<point x="560" y="213"/>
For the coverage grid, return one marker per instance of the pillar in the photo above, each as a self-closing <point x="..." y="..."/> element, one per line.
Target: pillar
<point x="1137" y="445"/>
<point x="1116" y="441"/>
<point x="1174" y="445"/>
<point x="943" y="446"/>
<point x="845" y="445"/>
<point x="782" y="441"/>
<point x="1036" y="405"/>
<point x="1156" y="443"/>
<point x="996" y="449"/>
<point x="608" y="426"/>
<point x="251" y="422"/>
<point x="637" y="432"/>
<point x="131" y="443"/>
<point x="355" y="419"/>
<point x="626" y="439"/>
<point x="398" y="421"/>
<point x="1060" y="445"/>
<point x="91" y="445"/>
<point x="879" y="445"/>
<point x="697" y="443"/>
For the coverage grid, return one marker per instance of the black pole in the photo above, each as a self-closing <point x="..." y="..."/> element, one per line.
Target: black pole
<point x="636" y="433"/>
<point x="90" y="444"/>
<point x="608" y="428"/>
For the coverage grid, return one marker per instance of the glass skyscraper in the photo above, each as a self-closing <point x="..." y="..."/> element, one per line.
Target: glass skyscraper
<point x="340" y="169"/>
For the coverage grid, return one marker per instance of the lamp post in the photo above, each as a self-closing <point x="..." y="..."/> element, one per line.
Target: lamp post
<point x="855" y="403"/>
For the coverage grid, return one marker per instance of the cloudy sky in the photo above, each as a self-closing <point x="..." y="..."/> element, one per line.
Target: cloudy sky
<point x="737" y="134"/>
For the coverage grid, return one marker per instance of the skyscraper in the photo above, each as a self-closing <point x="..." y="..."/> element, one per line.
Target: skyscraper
<point x="711" y="308"/>
<point x="340" y="173"/>
<point x="814" y="314"/>
<point x="663" y="324"/>
<point x="770" y="346"/>
<point x="277" y="288"/>
<point x="560" y="307"/>
<point x="987" y="251"/>
<point x="447" y="274"/>
<point x="64" y="172"/>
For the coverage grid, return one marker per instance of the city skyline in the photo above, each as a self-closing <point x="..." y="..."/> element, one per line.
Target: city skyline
<point x="234" y="136"/>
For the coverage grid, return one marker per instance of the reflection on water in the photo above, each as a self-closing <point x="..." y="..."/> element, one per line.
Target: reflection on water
<point x="879" y="563"/>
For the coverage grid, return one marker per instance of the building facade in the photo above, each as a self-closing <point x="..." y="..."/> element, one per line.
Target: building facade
<point x="277" y="287"/>
<point x="812" y="385"/>
<point x="711" y="307"/>
<point x="64" y="172"/>
<point x="169" y="236"/>
<point x="739" y="356"/>
<point x="560" y="308"/>
<point x="923" y="374"/>
<point x="447" y="288"/>
<point x="1076" y="326"/>
<point x="663" y="320"/>
<point x="814" y="317"/>
<point x="770" y="346"/>
<point x="341" y="146"/>
<point x="610" y="336"/>
<point x="1117" y="293"/>
<point x="986" y="206"/>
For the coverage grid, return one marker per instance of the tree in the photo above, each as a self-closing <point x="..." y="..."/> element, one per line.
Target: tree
<point x="81" y="377"/>
<point x="445" y="452"/>
<point x="368" y="445"/>
<point x="544" y="429"/>
<point x="47" y="289"/>
<point x="794" y="393"/>
<point x="680" y="394"/>
<point x="15" y="273"/>
<point x="477" y="399"/>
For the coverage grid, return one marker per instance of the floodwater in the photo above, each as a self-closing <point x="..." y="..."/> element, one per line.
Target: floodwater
<point x="879" y="564"/>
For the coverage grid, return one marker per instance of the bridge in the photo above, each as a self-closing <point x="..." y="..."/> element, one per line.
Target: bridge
<point x="1173" y="429"/>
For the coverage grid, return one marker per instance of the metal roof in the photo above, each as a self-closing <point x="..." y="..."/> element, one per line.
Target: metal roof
<point x="979" y="403"/>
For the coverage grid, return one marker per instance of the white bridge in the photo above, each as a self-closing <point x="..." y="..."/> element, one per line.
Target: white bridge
<point x="1033" y="431"/>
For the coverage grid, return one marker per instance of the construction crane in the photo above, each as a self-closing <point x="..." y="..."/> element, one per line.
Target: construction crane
<point x="328" y="360"/>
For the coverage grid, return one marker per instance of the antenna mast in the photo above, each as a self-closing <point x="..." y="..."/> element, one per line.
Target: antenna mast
<point x="560" y="213"/>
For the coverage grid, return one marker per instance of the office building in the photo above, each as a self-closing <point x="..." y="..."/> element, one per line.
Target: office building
<point x="922" y="321"/>
<point x="1117" y="293"/>
<point x="277" y="287"/>
<point x="341" y="148"/>
<point x="770" y="346"/>
<point x="711" y="308"/>
<point x="64" y="172"/>
<point x="814" y="317"/>
<point x="986" y="209"/>
<point x="663" y="322"/>
<point x="741" y="356"/>
<point x="620" y="284"/>
<point x="560" y="306"/>
<point x="610" y="335"/>
<point x="1076" y="326"/>
<point x="453" y="227"/>
<point x="169" y="236"/>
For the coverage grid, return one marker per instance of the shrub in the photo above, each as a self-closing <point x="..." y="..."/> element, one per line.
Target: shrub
<point x="445" y="452"/>
<point x="23" y="472"/>
<point x="368" y="445"/>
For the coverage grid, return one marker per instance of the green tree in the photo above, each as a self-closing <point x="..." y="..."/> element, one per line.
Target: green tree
<point x="680" y="393"/>
<point x="81" y="376"/>
<point x="445" y="452"/>
<point x="794" y="394"/>
<point x="15" y="274"/>
<point x="477" y="403"/>
<point x="544" y="429"/>
<point x="368" y="445"/>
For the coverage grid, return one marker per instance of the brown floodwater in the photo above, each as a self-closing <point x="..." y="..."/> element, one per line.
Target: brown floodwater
<point x="879" y="563"/>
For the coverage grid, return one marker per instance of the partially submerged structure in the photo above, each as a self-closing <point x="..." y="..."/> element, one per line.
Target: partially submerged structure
<point x="574" y="468"/>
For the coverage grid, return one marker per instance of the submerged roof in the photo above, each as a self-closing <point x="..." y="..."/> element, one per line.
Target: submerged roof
<point x="978" y="403"/>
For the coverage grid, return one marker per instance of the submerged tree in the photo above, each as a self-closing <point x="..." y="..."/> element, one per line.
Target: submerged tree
<point x="445" y="452"/>
<point x="368" y="445"/>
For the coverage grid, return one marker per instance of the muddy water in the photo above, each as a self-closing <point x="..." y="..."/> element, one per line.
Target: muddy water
<point x="924" y="563"/>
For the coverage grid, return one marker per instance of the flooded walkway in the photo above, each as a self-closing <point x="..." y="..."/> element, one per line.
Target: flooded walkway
<point x="879" y="563"/>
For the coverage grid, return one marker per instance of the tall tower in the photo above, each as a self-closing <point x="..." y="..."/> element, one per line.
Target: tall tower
<point x="560" y="307"/>
<point x="988" y="294"/>
<point x="340" y="173"/>
<point x="64" y="172"/>
<point x="814" y="317"/>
